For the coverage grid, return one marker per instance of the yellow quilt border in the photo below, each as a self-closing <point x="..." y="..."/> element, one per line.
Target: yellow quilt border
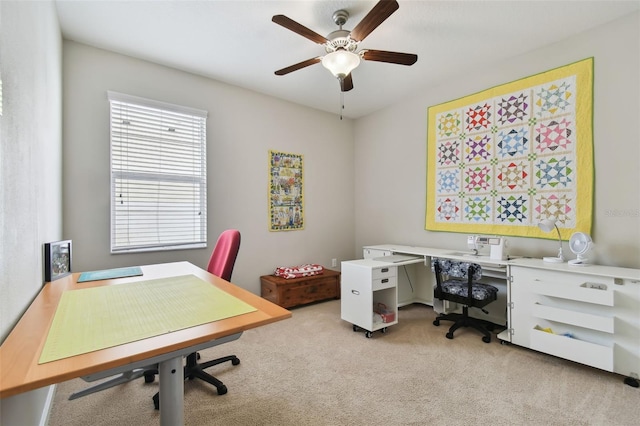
<point x="583" y="70"/>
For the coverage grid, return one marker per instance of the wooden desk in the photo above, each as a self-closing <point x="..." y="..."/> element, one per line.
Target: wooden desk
<point x="19" y="354"/>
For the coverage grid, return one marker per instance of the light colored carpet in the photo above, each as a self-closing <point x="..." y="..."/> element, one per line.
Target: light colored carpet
<point x="313" y="370"/>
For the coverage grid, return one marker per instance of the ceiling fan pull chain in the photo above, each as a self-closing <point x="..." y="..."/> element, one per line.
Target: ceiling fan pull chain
<point x="341" y="103"/>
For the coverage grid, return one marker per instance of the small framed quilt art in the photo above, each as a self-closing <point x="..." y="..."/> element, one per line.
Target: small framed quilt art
<point x="286" y="201"/>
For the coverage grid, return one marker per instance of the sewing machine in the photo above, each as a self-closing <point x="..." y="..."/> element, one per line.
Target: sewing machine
<point x="497" y="245"/>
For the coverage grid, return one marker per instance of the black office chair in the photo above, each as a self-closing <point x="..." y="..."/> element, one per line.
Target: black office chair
<point x="221" y="264"/>
<point x="457" y="282"/>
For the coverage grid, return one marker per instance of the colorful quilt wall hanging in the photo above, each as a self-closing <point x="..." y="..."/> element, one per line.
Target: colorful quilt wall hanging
<point x="286" y="201"/>
<point x="501" y="160"/>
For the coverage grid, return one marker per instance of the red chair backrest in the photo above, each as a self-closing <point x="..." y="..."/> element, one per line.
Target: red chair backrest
<point x="224" y="254"/>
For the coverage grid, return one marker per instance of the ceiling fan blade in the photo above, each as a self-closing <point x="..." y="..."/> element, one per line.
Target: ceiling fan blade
<point x="298" y="66"/>
<point x="391" y="57"/>
<point x="346" y="83"/>
<point x="292" y="25"/>
<point x="381" y="11"/>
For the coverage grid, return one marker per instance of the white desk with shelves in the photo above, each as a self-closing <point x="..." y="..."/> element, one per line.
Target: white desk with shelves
<point x="587" y="314"/>
<point x="416" y="280"/>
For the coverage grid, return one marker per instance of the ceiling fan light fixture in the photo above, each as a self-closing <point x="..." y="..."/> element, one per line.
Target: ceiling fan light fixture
<point x="341" y="62"/>
<point x="341" y="45"/>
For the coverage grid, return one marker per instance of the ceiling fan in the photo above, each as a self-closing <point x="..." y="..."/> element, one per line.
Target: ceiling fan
<point x="341" y="45"/>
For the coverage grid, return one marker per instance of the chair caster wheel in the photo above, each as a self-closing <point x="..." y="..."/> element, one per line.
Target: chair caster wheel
<point x="368" y="334"/>
<point x="449" y="335"/>
<point x="149" y="378"/>
<point x="222" y="390"/>
<point x="235" y="361"/>
<point x="486" y="339"/>
<point x="355" y="328"/>
<point x="436" y="322"/>
<point x="631" y="382"/>
<point x="383" y="330"/>
<point x="156" y="401"/>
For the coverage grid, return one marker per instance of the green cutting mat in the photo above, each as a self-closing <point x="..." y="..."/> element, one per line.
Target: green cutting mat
<point x="88" y="320"/>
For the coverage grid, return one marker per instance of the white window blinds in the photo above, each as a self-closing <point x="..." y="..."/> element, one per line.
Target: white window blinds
<point x="158" y="175"/>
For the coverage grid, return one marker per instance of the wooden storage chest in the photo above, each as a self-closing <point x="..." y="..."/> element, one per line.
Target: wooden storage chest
<point x="300" y="291"/>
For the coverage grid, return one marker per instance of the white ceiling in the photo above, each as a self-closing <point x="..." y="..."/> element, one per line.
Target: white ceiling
<point x="235" y="41"/>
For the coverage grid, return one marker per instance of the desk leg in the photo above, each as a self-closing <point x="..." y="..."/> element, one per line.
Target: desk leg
<point x="171" y="378"/>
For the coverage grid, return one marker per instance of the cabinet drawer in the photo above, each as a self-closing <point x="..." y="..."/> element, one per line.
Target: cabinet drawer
<point x="386" y="272"/>
<point x="581" y="291"/>
<point x="580" y="319"/>
<point x="373" y="253"/>
<point x="562" y="277"/>
<point x="573" y="349"/>
<point x="380" y="283"/>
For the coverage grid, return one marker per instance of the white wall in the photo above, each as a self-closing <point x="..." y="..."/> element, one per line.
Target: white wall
<point x="389" y="158"/>
<point x="241" y="128"/>
<point x="30" y="169"/>
<point x="390" y="149"/>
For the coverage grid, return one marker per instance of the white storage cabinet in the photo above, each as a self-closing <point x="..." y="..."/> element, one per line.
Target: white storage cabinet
<point x="364" y="284"/>
<point x="594" y="319"/>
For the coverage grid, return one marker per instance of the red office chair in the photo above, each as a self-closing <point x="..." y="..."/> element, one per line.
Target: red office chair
<point x="224" y="254"/>
<point x="221" y="263"/>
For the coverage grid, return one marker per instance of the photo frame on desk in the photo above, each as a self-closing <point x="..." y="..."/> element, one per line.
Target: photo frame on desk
<point x="57" y="260"/>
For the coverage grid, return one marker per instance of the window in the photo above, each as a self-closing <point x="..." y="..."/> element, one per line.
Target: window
<point x="158" y="175"/>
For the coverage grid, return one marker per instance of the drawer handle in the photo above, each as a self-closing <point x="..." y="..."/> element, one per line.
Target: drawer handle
<point x="356" y="292"/>
<point x="386" y="280"/>
<point x="385" y="270"/>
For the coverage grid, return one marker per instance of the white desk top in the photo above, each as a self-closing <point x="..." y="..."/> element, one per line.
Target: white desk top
<point x="623" y="273"/>
<point x="436" y="252"/>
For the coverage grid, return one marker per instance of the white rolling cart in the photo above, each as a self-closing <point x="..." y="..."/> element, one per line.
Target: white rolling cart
<point x="367" y="285"/>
